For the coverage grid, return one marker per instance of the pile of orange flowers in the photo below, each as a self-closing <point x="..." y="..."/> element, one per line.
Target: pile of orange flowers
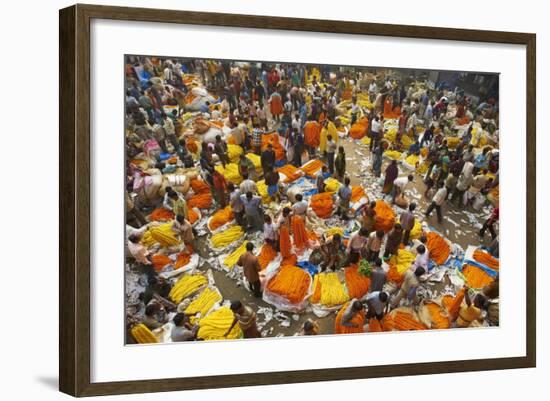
<point x="290" y="171"/>
<point x="438" y="247"/>
<point x="161" y="214"/>
<point x="486" y="259"/>
<point x="199" y="186"/>
<point x="312" y="134"/>
<point x="385" y="216"/>
<point x="374" y="325"/>
<point x="476" y="277"/>
<point x="299" y="232"/>
<point x="191" y="145"/>
<point x="193" y="216"/>
<point x="267" y="254"/>
<point x="322" y="204"/>
<point x="394" y="275"/>
<point x="359" y="129"/>
<point x="357" y="192"/>
<point x="159" y="261"/>
<point x="290" y="282"/>
<point x="201" y="201"/>
<point x="312" y="167"/>
<point x="358" y="285"/>
<point x="438" y="318"/>
<point x="404" y="321"/>
<point x="182" y="259"/>
<point x="220" y="218"/>
<point x="388" y="323"/>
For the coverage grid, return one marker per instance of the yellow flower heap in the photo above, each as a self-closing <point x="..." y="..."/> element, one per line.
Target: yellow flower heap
<point x="215" y="325"/>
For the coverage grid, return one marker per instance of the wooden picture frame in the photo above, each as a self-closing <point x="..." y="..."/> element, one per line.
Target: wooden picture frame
<point x="74" y="203"/>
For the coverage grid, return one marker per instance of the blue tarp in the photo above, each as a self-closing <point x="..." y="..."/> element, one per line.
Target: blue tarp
<point x="309" y="267"/>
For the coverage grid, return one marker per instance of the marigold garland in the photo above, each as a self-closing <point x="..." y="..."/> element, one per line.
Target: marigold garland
<point x="438" y="247"/>
<point x="290" y="282"/>
<point x="358" y="285"/>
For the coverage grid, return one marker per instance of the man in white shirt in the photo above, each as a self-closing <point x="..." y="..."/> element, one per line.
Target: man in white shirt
<point x="372" y="91"/>
<point x="422" y="258"/>
<point x="437" y="202"/>
<point x="248" y="186"/>
<point x="399" y="186"/>
<point x="300" y="207"/>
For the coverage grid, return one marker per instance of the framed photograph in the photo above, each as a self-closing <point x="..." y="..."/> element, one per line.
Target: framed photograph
<point x="250" y="200"/>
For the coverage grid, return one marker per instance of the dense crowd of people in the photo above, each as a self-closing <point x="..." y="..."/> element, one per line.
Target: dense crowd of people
<point x="247" y="161"/>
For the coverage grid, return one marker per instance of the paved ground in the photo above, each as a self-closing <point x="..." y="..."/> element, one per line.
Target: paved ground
<point x="456" y="227"/>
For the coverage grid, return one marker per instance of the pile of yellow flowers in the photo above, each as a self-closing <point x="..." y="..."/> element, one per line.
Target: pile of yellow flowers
<point x="262" y="191"/>
<point x="365" y="140"/>
<point x="412" y="160"/>
<point x="416" y="232"/>
<point x="402" y="260"/>
<point x="215" y="325"/>
<point x="227" y="237"/>
<point x="335" y="230"/>
<point x="328" y="290"/>
<point x="233" y="152"/>
<point x="142" y="334"/>
<point x="186" y="285"/>
<point x="422" y="168"/>
<point x="231" y="260"/>
<point x="256" y="161"/>
<point x="393" y="154"/>
<point x="452" y="141"/>
<point x="406" y="141"/>
<point x="163" y="234"/>
<point x="391" y="134"/>
<point x="230" y="172"/>
<point x="332" y="185"/>
<point x="203" y="303"/>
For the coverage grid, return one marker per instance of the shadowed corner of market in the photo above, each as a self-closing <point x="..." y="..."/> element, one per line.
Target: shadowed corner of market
<point x="380" y="187"/>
